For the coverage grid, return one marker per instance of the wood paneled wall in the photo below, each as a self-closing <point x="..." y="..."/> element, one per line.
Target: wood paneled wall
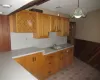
<point x="5" y="44"/>
<point x="88" y="52"/>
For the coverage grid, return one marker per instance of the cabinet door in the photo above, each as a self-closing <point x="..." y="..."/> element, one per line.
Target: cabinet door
<point x="66" y="27"/>
<point x="61" y="60"/>
<point x="32" y="63"/>
<point x="53" y="22"/>
<point x="54" y="27"/>
<point x="46" y="25"/>
<point x="61" y="31"/>
<point x="21" y="61"/>
<point x="57" y="18"/>
<point x="39" y="27"/>
<point x="68" y="57"/>
<point x="23" y="21"/>
<point x="36" y="60"/>
<point x="43" y="26"/>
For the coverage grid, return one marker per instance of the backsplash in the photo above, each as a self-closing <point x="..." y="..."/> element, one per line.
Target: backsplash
<point x="24" y="40"/>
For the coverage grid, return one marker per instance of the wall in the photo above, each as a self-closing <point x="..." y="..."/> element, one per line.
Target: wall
<point x="4" y="34"/>
<point x="89" y="28"/>
<point x="23" y="40"/>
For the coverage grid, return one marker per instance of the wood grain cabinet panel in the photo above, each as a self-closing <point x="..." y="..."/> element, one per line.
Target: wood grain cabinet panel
<point x="23" y="21"/>
<point x="68" y="57"/>
<point x="43" y="26"/>
<point x="64" y="27"/>
<point x="32" y="63"/>
<point x="61" y="59"/>
<point x="55" y="27"/>
<point x="52" y="25"/>
<point x="21" y="61"/>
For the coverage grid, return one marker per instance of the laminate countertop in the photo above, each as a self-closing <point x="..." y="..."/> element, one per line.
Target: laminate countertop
<point x="11" y="70"/>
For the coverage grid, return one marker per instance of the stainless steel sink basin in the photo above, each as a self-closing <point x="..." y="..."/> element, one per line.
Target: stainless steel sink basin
<point x="53" y="48"/>
<point x="56" y="48"/>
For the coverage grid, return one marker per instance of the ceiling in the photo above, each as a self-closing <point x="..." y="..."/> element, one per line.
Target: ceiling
<point x="15" y="5"/>
<point x="68" y="6"/>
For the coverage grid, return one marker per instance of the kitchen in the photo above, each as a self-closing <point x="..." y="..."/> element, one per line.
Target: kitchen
<point x="34" y="44"/>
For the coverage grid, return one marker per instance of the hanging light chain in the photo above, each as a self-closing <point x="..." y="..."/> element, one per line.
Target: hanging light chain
<point x="78" y="4"/>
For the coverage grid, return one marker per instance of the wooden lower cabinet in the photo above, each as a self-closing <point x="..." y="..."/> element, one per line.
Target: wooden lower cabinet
<point x="32" y="63"/>
<point x="50" y="65"/>
<point x="60" y="59"/>
<point x="68" y="57"/>
<point x="21" y="61"/>
<point x="42" y="66"/>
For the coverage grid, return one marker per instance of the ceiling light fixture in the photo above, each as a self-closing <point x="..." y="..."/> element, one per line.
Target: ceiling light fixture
<point x="58" y="9"/>
<point x="78" y="13"/>
<point x="1" y="12"/>
<point x="5" y="5"/>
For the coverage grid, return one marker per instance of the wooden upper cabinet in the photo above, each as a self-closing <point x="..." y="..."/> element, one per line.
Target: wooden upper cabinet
<point x="38" y="23"/>
<point x="23" y="21"/>
<point x="64" y="27"/>
<point x="43" y="26"/>
<point x="55" y="27"/>
<point x="46" y="25"/>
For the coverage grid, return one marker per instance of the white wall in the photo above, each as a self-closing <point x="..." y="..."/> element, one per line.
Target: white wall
<point x="89" y="28"/>
<point x="23" y="40"/>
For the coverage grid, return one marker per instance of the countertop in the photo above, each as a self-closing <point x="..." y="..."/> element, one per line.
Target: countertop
<point x="11" y="70"/>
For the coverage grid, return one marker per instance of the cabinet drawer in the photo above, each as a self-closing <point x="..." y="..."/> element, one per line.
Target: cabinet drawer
<point x="68" y="51"/>
<point x="50" y="57"/>
<point x="50" y="60"/>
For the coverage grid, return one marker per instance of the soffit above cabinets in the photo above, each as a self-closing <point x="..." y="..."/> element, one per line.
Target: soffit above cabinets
<point x="68" y="6"/>
<point x="15" y="4"/>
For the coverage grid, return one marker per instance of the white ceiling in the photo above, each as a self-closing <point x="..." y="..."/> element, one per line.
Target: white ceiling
<point x="15" y="5"/>
<point x="68" y="6"/>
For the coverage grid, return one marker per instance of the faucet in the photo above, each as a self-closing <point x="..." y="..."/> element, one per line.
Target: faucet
<point x="54" y="45"/>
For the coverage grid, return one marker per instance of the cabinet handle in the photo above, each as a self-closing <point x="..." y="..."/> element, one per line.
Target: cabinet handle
<point x="51" y="56"/>
<point x="67" y="51"/>
<point x="49" y="62"/>
<point x="49" y="72"/>
<point x="61" y="58"/>
<point x="33" y="59"/>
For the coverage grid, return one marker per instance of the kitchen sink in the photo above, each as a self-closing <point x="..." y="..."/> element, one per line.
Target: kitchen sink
<point x="56" y="48"/>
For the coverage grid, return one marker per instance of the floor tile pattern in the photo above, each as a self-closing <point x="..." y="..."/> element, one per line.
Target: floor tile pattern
<point x="77" y="71"/>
